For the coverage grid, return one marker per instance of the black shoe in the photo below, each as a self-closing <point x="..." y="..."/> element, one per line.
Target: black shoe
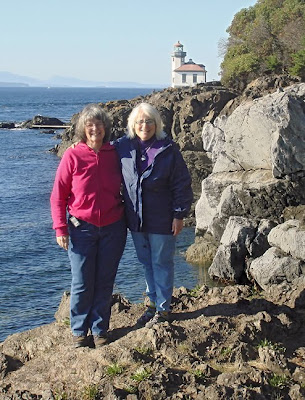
<point x="80" y="341"/>
<point x="101" y="340"/>
<point x="147" y="316"/>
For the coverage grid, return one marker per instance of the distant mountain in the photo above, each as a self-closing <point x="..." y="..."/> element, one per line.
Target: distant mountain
<point x="13" y="84"/>
<point x="61" y="81"/>
<point x="8" y="77"/>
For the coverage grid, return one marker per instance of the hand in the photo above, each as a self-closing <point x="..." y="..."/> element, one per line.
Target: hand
<point x="177" y="226"/>
<point x="63" y="241"/>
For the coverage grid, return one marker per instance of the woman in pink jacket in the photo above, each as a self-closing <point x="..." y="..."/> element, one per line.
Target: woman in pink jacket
<point x="87" y="187"/>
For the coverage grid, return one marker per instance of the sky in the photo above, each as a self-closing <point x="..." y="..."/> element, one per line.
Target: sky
<point x="112" y="40"/>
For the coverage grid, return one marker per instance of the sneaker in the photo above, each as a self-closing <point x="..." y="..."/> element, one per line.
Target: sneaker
<point x="100" y="340"/>
<point x="80" y="341"/>
<point x="147" y="316"/>
<point x="160" y="316"/>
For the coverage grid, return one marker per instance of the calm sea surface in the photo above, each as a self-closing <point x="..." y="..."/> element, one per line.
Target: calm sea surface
<point x="34" y="270"/>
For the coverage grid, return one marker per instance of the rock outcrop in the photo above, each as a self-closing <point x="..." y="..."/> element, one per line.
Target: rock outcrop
<point x="40" y="120"/>
<point x="222" y="343"/>
<point x="258" y="173"/>
<point x="284" y="261"/>
<point x="7" y="125"/>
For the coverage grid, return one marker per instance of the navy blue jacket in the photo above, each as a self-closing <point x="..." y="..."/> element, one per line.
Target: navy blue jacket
<point x="162" y="192"/>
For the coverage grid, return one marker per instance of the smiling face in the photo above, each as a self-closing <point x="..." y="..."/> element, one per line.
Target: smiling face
<point x="95" y="133"/>
<point x="145" y="126"/>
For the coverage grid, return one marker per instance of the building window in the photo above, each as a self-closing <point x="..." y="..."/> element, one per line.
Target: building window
<point x="194" y="78"/>
<point x="183" y="78"/>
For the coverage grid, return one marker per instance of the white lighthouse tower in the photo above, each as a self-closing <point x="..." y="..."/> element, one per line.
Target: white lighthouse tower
<point x="178" y="58"/>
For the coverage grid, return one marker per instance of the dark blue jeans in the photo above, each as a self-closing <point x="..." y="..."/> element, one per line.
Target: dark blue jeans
<point x="94" y="255"/>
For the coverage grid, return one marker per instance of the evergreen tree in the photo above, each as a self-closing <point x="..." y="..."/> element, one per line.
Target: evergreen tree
<point x="266" y="38"/>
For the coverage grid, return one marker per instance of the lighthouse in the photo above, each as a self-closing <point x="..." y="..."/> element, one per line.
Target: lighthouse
<point x="185" y="73"/>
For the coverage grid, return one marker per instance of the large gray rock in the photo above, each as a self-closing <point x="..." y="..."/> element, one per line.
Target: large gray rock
<point x="268" y="133"/>
<point x="275" y="267"/>
<point x="213" y="138"/>
<point x="229" y="261"/>
<point x="255" y="194"/>
<point x="289" y="238"/>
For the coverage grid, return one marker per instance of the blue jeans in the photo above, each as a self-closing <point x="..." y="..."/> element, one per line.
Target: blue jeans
<point x="156" y="253"/>
<point x="94" y="255"/>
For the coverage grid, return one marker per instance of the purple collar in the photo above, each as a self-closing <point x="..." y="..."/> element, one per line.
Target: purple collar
<point x="147" y="151"/>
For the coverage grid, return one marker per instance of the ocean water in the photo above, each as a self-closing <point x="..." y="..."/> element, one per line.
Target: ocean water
<point x="34" y="270"/>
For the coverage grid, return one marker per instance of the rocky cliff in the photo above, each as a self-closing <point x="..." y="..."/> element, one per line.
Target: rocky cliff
<point x="255" y="188"/>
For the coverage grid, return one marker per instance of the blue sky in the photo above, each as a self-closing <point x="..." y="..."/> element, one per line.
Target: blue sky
<point x="113" y="40"/>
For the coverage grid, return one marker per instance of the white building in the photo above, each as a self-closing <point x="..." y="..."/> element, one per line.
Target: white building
<point x="185" y="73"/>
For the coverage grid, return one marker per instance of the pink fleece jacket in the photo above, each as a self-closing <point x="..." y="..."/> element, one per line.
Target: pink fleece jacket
<point x="87" y="185"/>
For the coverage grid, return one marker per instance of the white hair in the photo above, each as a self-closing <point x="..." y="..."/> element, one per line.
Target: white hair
<point x="151" y="113"/>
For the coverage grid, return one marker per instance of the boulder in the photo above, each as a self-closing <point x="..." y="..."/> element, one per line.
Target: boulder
<point x="255" y="194"/>
<point x="213" y="138"/>
<point x="289" y="238"/>
<point x="229" y="261"/>
<point x="267" y="133"/>
<point x="285" y="260"/>
<point x="41" y="120"/>
<point x="275" y="267"/>
<point x="202" y="251"/>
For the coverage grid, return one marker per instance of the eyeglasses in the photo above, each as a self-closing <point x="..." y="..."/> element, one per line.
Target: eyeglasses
<point x="90" y="124"/>
<point x="145" y="121"/>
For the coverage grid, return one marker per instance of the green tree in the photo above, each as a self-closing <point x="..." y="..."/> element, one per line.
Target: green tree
<point x="298" y="67"/>
<point x="266" y="38"/>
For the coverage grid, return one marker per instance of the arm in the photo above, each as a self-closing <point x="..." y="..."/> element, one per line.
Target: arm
<point x="182" y="191"/>
<point x="59" y="199"/>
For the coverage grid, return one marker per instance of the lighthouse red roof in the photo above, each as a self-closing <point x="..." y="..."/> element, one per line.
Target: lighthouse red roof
<point x="178" y="44"/>
<point x="190" y="68"/>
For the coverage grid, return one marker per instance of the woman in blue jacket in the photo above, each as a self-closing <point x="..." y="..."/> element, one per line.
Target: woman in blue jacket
<point x="158" y="195"/>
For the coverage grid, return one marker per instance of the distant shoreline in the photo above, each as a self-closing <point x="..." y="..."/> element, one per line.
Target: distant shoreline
<point x="25" y="85"/>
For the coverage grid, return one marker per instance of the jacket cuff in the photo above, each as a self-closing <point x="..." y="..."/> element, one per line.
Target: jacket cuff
<point x="180" y="214"/>
<point x="62" y="231"/>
